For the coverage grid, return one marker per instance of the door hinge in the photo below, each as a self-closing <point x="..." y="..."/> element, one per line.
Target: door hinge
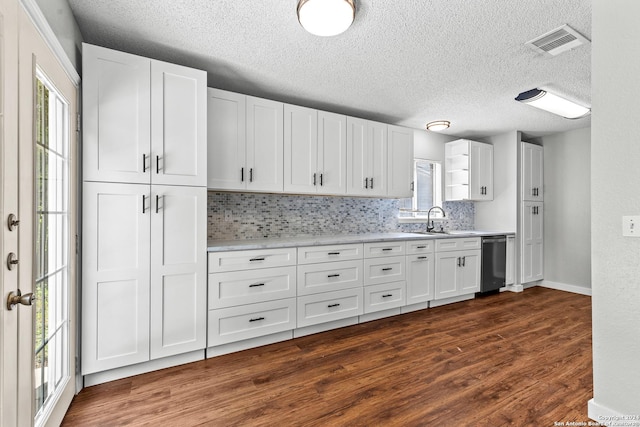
<point x="78" y="127"/>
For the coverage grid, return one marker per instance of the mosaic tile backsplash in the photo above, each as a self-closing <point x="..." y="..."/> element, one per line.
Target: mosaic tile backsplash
<point x="257" y="216"/>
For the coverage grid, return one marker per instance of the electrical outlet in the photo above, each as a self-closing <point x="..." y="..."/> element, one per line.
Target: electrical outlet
<point x="631" y="226"/>
<point x="228" y="217"/>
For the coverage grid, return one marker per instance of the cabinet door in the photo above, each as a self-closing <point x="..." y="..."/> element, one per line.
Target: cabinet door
<point x="332" y="153"/>
<point x="265" y="145"/>
<point x="480" y="171"/>
<point x="532" y="236"/>
<point x="510" y="273"/>
<point x="446" y="276"/>
<point x="117" y="116"/>
<point x="420" y="278"/>
<point x="178" y="270"/>
<point x="400" y="161"/>
<point x="486" y="161"/>
<point x="377" y="151"/>
<point x="226" y="140"/>
<point x="358" y="163"/>
<point x="115" y="275"/>
<point x="469" y="277"/>
<point x="300" y="149"/>
<point x="178" y="125"/>
<point x="532" y="172"/>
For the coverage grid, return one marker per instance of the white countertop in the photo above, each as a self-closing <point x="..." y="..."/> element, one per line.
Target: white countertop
<point x="337" y="239"/>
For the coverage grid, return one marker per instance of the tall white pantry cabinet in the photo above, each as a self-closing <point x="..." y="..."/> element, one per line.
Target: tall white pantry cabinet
<point x="531" y="211"/>
<point x="144" y="210"/>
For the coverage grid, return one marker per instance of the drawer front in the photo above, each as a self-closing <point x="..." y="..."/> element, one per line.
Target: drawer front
<point x="384" y="297"/>
<point x="251" y="286"/>
<point x="220" y="262"/>
<point x="334" y="276"/>
<point x="250" y="321"/>
<point x="415" y="247"/>
<point x="329" y="306"/>
<point x="384" y="270"/>
<point x="313" y="254"/>
<point x="383" y="249"/>
<point x="443" y="245"/>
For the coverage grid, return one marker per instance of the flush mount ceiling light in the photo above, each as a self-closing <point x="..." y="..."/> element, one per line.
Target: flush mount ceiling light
<point x="326" y="17"/>
<point x="438" y="125"/>
<point x="553" y="103"/>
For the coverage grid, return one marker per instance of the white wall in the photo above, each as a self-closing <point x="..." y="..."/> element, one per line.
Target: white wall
<point x="567" y="207"/>
<point x="63" y="23"/>
<point x="615" y="191"/>
<point x="501" y="213"/>
<point x="430" y="145"/>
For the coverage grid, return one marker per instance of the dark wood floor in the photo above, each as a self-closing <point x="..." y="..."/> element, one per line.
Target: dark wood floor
<point x="507" y="359"/>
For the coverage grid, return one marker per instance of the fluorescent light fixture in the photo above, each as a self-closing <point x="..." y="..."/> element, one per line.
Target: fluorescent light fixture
<point x="438" y="125"/>
<point x="553" y="103"/>
<point x="326" y="17"/>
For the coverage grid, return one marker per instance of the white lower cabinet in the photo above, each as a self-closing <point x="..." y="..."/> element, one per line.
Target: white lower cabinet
<point x="329" y="306"/>
<point x="510" y="270"/>
<point x="227" y="325"/>
<point x="457" y="272"/>
<point x="532" y="240"/>
<point x="420" y="278"/>
<point x="144" y="273"/>
<point x="330" y="276"/>
<point x="384" y="297"/>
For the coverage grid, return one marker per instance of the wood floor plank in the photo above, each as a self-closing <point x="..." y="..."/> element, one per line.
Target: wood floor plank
<point x="505" y="359"/>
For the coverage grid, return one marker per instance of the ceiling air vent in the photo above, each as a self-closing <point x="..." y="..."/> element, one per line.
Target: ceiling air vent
<point x="557" y="41"/>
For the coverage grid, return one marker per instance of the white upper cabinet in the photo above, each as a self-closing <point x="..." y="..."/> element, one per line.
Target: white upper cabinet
<point x="532" y="172"/>
<point x="366" y="158"/>
<point x="116" y="89"/>
<point x="144" y="120"/>
<point x="400" y="161"/>
<point x="468" y="170"/>
<point x="314" y="151"/>
<point x="245" y="139"/>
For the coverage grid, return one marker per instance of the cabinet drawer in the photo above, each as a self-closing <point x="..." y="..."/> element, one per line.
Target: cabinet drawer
<point x="247" y="287"/>
<point x="333" y="276"/>
<point x="380" y="249"/>
<point x="247" y="260"/>
<point x="250" y="321"/>
<point x="313" y="254"/>
<point x="329" y="306"/>
<point x="420" y="247"/>
<point x="460" y="244"/>
<point x="385" y="296"/>
<point x="384" y="270"/>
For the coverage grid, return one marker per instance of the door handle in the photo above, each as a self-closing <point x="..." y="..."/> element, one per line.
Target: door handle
<point x="11" y="260"/>
<point x="157" y="164"/>
<point x="250" y="174"/>
<point x="321" y="179"/>
<point x="12" y="222"/>
<point x="366" y="183"/>
<point x="371" y="181"/>
<point x="16" y="298"/>
<point x="314" y="178"/>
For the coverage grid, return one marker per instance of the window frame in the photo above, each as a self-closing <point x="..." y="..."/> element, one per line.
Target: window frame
<point x="415" y="215"/>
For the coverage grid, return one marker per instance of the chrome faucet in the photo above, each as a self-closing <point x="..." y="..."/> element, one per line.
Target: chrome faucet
<point x="430" y="225"/>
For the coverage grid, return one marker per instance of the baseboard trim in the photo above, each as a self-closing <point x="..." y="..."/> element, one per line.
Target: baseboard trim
<point x="565" y="287"/>
<point x="604" y="415"/>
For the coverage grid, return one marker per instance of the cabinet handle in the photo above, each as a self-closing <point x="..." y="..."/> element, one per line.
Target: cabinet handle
<point x="333" y="275"/>
<point x="387" y="249"/>
<point x="241" y="174"/>
<point x="421" y="247"/>
<point x="333" y="253"/>
<point x="144" y="198"/>
<point x="256" y="259"/>
<point x="464" y="261"/>
<point x="387" y="295"/>
<point x="256" y="319"/>
<point x="387" y="269"/>
<point x="144" y="163"/>
<point x="422" y="257"/>
<point x="314" y="179"/>
<point x="321" y="179"/>
<point x="459" y="262"/>
<point x="251" y="175"/>
<point x="366" y="183"/>
<point x="157" y="164"/>
<point x="333" y="305"/>
<point x="412" y="186"/>
<point x="371" y="181"/>
<point x="255" y="285"/>
<point x="157" y="202"/>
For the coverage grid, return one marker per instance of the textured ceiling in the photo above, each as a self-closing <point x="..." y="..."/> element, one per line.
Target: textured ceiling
<point x="406" y="62"/>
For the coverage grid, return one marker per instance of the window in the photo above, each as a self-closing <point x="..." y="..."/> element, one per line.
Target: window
<point x="427" y="190"/>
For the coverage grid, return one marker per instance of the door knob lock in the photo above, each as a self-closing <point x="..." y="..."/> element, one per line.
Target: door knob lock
<point x="12" y="222"/>
<point x="11" y="260"/>
<point x="17" y="298"/>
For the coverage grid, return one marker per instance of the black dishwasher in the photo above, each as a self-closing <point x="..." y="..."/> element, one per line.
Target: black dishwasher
<point x="494" y="261"/>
